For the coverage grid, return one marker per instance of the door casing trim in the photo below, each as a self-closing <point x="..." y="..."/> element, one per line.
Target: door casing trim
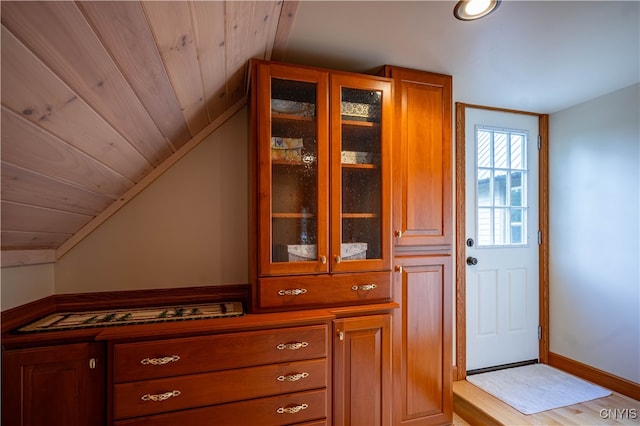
<point x="460" y="369"/>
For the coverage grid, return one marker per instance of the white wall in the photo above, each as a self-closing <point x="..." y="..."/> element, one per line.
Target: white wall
<point x="595" y="233"/>
<point x="24" y="284"/>
<point x="188" y="228"/>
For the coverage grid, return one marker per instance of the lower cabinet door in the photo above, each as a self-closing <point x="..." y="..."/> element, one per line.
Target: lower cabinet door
<point x="422" y="341"/>
<point x="54" y="386"/>
<point x="362" y="371"/>
<point x="296" y="408"/>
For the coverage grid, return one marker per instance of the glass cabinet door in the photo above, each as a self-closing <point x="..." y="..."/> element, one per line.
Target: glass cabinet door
<point x="360" y="174"/>
<point x="292" y="127"/>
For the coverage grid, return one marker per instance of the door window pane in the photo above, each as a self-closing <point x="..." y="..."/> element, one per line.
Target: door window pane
<point x="501" y="187"/>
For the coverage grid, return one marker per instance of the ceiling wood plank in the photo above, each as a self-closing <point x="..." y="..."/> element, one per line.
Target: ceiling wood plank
<point x="209" y="32"/>
<point x="30" y="89"/>
<point x="16" y="240"/>
<point x="285" y="23"/>
<point x="61" y="37"/>
<point x="26" y="257"/>
<point x="124" y="31"/>
<point x="22" y="217"/>
<point x="148" y="180"/>
<point x="170" y="23"/>
<point x="24" y="186"/>
<point x="237" y="39"/>
<point x="263" y="26"/>
<point x="32" y="148"/>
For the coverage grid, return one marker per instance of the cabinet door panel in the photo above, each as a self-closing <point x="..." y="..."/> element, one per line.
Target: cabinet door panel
<point x="360" y="173"/>
<point x="422" y="158"/>
<point x="422" y="341"/>
<point x="362" y="371"/>
<point x="53" y="386"/>
<point x="291" y="121"/>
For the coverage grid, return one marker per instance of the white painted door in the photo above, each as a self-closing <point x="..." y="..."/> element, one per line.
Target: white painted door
<point x="502" y="220"/>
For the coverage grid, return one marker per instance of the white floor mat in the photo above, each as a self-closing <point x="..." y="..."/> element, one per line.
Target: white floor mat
<point x="534" y="388"/>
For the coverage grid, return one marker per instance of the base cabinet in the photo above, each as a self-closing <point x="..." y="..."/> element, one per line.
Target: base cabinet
<point x="362" y="371"/>
<point x="54" y="386"/>
<point x="422" y="341"/>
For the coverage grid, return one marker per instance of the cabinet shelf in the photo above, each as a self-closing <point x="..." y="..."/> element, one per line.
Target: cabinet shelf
<point x="359" y="215"/>
<point x="359" y="166"/>
<point x="292" y="215"/>
<point x="357" y="123"/>
<point x="291" y="117"/>
<point x="291" y="163"/>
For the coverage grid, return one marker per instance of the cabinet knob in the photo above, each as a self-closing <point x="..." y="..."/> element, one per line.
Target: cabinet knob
<point x="338" y="259"/>
<point x="398" y="268"/>
<point x="398" y="233"/>
<point x="340" y="335"/>
<point x="323" y="259"/>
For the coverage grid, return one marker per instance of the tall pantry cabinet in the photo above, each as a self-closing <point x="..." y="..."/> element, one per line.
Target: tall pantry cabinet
<point x="422" y="229"/>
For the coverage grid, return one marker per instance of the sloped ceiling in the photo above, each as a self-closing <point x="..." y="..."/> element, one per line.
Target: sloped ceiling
<point x="100" y="97"/>
<point x="97" y="97"/>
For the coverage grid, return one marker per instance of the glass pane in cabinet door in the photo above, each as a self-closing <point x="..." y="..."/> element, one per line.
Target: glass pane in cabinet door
<point x="361" y="174"/>
<point x="294" y="171"/>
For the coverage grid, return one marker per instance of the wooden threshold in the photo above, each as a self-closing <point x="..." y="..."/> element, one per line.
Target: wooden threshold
<point x="476" y="407"/>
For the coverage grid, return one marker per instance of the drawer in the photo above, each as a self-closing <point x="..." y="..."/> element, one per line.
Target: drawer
<point x="199" y="390"/>
<point x="324" y="290"/>
<point x="174" y="357"/>
<point x="279" y="410"/>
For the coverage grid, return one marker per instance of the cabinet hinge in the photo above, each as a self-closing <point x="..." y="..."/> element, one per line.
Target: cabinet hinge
<point x="539" y="333"/>
<point x="539" y="237"/>
<point x="539" y="143"/>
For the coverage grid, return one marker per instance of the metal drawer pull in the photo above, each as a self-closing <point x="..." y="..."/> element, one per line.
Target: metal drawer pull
<point x="292" y="346"/>
<point x="292" y="292"/>
<point x="292" y="410"/>
<point x="160" y="397"/>
<point x="293" y="377"/>
<point x="365" y="287"/>
<point x="160" y="361"/>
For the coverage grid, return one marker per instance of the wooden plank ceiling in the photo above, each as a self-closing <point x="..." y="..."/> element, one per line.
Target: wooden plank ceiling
<point x="98" y="96"/>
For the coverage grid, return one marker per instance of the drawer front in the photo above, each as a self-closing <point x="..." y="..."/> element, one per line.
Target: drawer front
<point x="173" y="357"/>
<point x="324" y="290"/>
<point x="279" y="410"/>
<point x="199" y="390"/>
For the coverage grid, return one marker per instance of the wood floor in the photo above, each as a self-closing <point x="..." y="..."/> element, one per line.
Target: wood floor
<point x="472" y="406"/>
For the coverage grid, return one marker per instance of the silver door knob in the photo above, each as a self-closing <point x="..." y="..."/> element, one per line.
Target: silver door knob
<point x="472" y="261"/>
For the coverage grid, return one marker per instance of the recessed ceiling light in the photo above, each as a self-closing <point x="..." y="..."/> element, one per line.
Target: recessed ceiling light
<point x="468" y="10"/>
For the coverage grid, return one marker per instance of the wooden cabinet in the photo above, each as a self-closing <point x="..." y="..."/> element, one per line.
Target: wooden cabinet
<point x="422" y="354"/>
<point x="54" y="386"/>
<point x="267" y="377"/>
<point x="362" y="371"/>
<point x="423" y="237"/>
<point x="322" y="161"/>
<point x="422" y="164"/>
